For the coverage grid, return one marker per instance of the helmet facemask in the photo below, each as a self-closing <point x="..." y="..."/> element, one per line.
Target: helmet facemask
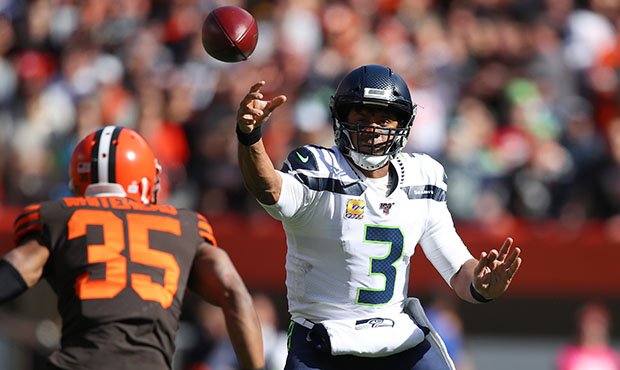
<point x="385" y="144"/>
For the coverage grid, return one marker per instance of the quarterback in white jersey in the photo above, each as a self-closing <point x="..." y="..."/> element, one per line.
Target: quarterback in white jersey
<point x="353" y="215"/>
<point x="350" y="242"/>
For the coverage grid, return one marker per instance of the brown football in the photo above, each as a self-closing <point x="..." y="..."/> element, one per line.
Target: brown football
<point x="229" y="34"/>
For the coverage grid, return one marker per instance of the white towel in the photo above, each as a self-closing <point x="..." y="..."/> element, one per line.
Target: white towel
<point x="414" y="308"/>
<point x="373" y="337"/>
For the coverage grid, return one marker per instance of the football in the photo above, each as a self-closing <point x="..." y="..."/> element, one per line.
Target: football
<point x="229" y="34"/>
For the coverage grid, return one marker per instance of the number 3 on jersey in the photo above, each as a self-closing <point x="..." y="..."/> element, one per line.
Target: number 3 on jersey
<point x="109" y="252"/>
<point x="394" y="238"/>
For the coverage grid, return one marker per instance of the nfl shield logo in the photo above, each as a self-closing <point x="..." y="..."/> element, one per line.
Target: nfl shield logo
<point x="386" y="207"/>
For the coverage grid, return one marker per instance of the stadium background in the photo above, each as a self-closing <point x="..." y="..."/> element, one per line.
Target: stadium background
<point x="518" y="99"/>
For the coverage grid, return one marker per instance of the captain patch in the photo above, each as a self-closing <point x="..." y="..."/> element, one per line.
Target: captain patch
<point x="355" y="209"/>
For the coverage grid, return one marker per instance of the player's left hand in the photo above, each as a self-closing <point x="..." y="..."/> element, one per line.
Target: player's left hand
<point x="495" y="270"/>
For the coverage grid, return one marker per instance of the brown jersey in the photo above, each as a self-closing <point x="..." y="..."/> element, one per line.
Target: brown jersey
<point x="119" y="269"/>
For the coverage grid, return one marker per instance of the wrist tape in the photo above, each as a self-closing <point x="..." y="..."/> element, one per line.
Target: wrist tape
<point x="477" y="296"/>
<point x="250" y="138"/>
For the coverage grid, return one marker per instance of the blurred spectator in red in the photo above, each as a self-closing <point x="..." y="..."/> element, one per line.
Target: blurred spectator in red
<point x="592" y="350"/>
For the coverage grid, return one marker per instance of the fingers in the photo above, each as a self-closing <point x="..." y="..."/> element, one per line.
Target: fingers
<point x="274" y="103"/>
<point x="251" y="97"/>
<point x="246" y="117"/>
<point x="493" y="254"/>
<point x="513" y="262"/>
<point x="513" y="269"/>
<point x="253" y="111"/>
<point x="481" y="264"/>
<point x="513" y="256"/>
<point x="503" y="251"/>
<point x="253" y="94"/>
<point x="257" y="86"/>
<point x="251" y="108"/>
<point x="246" y="110"/>
<point x="495" y="270"/>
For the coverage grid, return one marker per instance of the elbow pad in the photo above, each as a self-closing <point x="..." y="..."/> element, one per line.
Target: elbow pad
<point x="12" y="283"/>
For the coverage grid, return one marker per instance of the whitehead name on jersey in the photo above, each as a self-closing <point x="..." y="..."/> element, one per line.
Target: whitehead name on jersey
<point x="349" y="244"/>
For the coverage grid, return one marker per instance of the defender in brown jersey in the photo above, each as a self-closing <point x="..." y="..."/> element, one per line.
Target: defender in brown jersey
<point x="120" y="263"/>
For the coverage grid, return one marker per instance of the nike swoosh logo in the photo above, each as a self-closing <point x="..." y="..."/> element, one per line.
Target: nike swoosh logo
<point x="302" y="158"/>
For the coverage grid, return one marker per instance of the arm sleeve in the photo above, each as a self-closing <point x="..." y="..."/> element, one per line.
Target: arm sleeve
<point x="442" y="245"/>
<point x="440" y="241"/>
<point x="205" y="230"/>
<point x="28" y="224"/>
<point x="294" y="197"/>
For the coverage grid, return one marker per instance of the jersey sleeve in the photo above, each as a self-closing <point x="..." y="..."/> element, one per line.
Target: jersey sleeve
<point x="440" y="241"/>
<point x="295" y="194"/>
<point x="205" y="230"/>
<point x="28" y="225"/>
<point x="294" y="197"/>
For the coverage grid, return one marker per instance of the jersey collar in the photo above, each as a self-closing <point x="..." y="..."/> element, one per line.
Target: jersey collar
<point x="105" y="190"/>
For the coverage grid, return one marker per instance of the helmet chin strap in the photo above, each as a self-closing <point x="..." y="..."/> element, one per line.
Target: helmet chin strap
<point x="369" y="162"/>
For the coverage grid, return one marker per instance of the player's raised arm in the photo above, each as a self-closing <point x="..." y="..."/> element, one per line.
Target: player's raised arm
<point x="215" y="279"/>
<point x="258" y="173"/>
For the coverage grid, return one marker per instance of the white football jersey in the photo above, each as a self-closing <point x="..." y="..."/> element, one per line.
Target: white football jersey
<point x="349" y="244"/>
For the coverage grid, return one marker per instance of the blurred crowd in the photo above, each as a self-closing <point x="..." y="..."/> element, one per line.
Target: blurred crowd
<point x="519" y="99"/>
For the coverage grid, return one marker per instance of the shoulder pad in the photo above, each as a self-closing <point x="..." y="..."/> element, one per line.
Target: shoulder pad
<point x="205" y="230"/>
<point x="27" y="223"/>
<point x="427" y="166"/>
<point x="321" y="169"/>
<point x="422" y="177"/>
<point x="302" y="158"/>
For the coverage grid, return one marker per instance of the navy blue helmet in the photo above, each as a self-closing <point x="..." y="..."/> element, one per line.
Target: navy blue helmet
<point x="379" y="86"/>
